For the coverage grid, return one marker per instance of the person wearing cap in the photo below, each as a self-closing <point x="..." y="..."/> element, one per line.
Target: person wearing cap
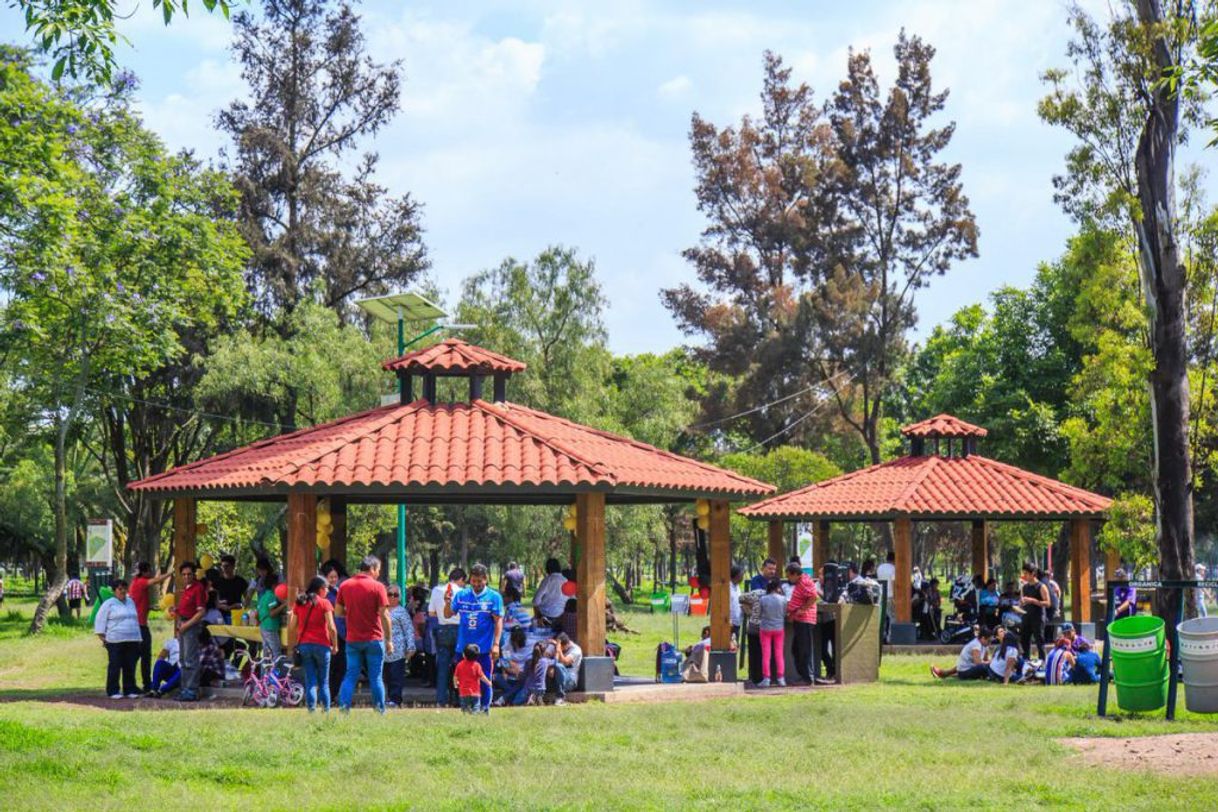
<point x="1086" y="670"/>
<point x="1199" y="594"/>
<point x="1072" y="637"/>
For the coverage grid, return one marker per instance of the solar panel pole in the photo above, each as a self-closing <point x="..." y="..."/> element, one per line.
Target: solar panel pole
<point x="402" y="506"/>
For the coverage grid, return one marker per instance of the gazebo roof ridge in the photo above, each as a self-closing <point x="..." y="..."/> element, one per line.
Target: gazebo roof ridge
<point x="502" y="411"/>
<point x="943" y="425"/>
<point x="454" y="356"/>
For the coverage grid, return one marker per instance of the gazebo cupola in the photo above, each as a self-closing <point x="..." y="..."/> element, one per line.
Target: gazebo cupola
<point x="453" y="358"/>
<point x="961" y="437"/>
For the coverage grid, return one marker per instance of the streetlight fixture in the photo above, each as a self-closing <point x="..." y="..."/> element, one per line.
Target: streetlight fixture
<point x="399" y="308"/>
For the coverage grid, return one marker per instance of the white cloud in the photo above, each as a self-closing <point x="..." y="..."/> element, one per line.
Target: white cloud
<point x="675" y="87"/>
<point x="184" y="119"/>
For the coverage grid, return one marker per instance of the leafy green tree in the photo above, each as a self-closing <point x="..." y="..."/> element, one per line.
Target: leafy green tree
<point x="80" y="35"/>
<point x="110" y="249"/>
<point x="1129" y="120"/>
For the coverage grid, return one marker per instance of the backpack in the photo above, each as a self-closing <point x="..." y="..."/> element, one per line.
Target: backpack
<point x="668" y="663"/>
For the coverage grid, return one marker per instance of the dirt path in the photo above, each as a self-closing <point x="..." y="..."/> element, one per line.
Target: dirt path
<point x="1188" y="754"/>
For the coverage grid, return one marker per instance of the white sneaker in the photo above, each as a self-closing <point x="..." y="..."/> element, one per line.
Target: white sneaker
<point x="560" y="701"/>
<point x="782" y="683"/>
<point x="133" y="696"/>
<point x="765" y="683"/>
<point x="116" y="696"/>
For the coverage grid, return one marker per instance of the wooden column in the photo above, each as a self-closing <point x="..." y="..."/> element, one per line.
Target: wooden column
<point x="590" y="573"/>
<point x="902" y="545"/>
<point x="299" y="567"/>
<point x="720" y="544"/>
<point x="820" y="547"/>
<point x="338" y="536"/>
<point x="1080" y="570"/>
<point x="981" y="548"/>
<point x="185" y="524"/>
<point x="1112" y="563"/>
<point x="777" y="546"/>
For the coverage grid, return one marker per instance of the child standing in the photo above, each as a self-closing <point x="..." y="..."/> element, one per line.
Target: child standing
<point x="773" y="613"/>
<point x="470" y="678"/>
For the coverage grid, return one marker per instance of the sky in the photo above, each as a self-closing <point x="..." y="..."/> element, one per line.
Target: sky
<point x="538" y="122"/>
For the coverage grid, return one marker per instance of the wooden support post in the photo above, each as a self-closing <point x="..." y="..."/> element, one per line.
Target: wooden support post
<point x="302" y="540"/>
<point x="1080" y="570"/>
<point x="185" y="524"/>
<point x="981" y="548"/>
<point x="902" y="543"/>
<point x="338" y="535"/>
<point x="820" y="547"/>
<point x="777" y="546"/>
<point x="720" y="544"/>
<point x="1112" y="563"/>
<point x="590" y="573"/>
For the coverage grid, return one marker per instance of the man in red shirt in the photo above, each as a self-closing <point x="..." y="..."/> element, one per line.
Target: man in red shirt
<point x="801" y="610"/>
<point x="192" y="603"/>
<point x="140" y="584"/>
<point x="363" y="601"/>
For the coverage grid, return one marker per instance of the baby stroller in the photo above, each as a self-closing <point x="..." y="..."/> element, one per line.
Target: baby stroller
<point x="959" y="627"/>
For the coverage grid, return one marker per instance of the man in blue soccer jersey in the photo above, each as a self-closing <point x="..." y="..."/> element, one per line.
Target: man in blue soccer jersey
<point x="481" y="622"/>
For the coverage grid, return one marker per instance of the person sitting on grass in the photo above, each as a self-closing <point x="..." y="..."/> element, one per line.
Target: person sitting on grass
<point x="565" y="673"/>
<point x="1072" y="637"/>
<point x="469" y="678"/>
<point x="166" y="673"/>
<point x="512" y="672"/>
<point x="515" y="613"/>
<point x="1086" y="669"/>
<point x="1058" y="663"/>
<point x="1006" y="664"/>
<point x="211" y="659"/>
<point x="974" y="660"/>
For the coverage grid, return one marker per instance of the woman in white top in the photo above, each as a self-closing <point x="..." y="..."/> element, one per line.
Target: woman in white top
<point x="117" y="625"/>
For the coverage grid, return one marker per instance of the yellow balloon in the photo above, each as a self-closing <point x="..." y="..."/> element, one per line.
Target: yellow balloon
<point x="569" y="523"/>
<point x="703" y="507"/>
<point x="703" y="522"/>
<point x="325" y="521"/>
<point x="206" y="561"/>
<point x="167" y="601"/>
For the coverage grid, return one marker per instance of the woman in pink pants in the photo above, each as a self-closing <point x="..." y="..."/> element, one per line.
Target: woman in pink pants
<point x="773" y="614"/>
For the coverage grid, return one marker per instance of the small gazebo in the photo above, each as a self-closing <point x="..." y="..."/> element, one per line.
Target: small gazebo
<point x="943" y="478"/>
<point x="423" y="451"/>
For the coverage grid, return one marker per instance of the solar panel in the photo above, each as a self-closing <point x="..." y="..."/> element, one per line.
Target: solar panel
<point x="413" y="307"/>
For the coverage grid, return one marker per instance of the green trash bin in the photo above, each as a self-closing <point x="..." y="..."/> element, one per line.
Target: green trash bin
<point x="1199" y="656"/>
<point x="1139" y="662"/>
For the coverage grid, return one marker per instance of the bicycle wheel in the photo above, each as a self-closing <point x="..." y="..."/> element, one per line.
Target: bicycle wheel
<point x="272" y="698"/>
<point x="294" y="695"/>
<point x="248" y="697"/>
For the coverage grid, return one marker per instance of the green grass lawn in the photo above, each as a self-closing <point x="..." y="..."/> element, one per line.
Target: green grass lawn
<point x="907" y="741"/>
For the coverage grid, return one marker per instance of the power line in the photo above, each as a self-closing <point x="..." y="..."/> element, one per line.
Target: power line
<point x="784" y="399"/>
<point x="793" y="423"/>
<point x="191" y="412"/>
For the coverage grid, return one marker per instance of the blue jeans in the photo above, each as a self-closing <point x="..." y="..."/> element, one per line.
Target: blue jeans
<point x="365" y="654"/>
<point x="316" y="661"/>
<point x="487" y="690"/>
<point x="446" y="643"/>
<point x="514" y="692"/>
<point x="165" y="677"/>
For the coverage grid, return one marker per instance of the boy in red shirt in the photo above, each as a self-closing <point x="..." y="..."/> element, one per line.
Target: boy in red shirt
<point x="470" y="678"/>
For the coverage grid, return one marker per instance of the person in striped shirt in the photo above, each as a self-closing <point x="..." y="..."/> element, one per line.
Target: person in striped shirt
<point x="74" y="591"/>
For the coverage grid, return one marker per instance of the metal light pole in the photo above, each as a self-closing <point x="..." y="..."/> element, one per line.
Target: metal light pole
<point x="399" y="307"/>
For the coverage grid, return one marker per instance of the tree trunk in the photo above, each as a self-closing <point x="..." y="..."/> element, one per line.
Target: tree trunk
<point x="1164" y="283"/>
<point x="55" y="586"/>
<point x="622" y="592"/>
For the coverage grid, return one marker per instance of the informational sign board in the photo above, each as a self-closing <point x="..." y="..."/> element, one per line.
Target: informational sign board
<point x="99" y="543"/>
<point x="803" y="543"/>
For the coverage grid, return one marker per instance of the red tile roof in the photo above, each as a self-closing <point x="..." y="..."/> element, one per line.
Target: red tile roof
<point x="454" y="355"/>
<point x="943" y="425"/>
<point x="478" y="446"/>
<point x="932" y="486"/>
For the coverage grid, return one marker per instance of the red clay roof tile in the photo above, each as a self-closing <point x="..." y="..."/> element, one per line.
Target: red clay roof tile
<point x="422" y="445"/>
<point x="454" y="355"/>
<point x="943" y="425"/>
<point x="930" y="486"/>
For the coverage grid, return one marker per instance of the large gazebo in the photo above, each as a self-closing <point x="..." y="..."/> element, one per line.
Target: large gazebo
<point x="942" y="478"/>
<point x="422" y="451"/>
